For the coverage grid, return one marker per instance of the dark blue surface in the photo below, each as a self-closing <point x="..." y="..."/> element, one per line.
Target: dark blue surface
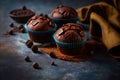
<point x="12" y="51"/>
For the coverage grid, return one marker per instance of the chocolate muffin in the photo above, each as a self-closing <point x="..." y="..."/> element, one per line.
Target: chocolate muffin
<point x="40" y="28"/>
<point x="63" y="14"/>
<point x="21" y="15"/>
<point x="70" y="38"/>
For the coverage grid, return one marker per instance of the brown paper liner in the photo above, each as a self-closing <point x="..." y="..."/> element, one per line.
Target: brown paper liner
<point x="88" y="50"/>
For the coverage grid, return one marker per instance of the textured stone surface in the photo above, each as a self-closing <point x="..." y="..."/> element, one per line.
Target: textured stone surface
<point x="12" y="52"/>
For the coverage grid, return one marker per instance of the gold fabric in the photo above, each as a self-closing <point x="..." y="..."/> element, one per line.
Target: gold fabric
<point x="104" y="19"/>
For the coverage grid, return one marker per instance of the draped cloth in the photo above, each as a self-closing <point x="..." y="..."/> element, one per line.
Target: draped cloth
<point x="104" y="19"/>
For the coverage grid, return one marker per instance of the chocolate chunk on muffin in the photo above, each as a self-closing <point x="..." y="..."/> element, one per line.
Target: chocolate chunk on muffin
<point x="63" y="14"/>
<point x="40" y="28"/>
<point x="69" y="38"/>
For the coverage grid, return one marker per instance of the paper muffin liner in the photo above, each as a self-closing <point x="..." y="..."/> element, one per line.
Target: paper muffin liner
<point x="40" y="33"/>
<point x="70" y="45"/>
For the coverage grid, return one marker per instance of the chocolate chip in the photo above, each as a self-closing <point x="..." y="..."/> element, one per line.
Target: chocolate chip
<point x="34" y="48"/>
<point x="22" y="30"/>
<point x="11" y="32"/>
<point x="66" y="14"/>
<point x="27" y="58"/>
<point x="35" y="65"/>
<point x="44" y="18"/>
<point x="63" y="12"/>
<point x="35" y="22"/>
<point x="61" y="32"/>
<point x="52" y="55"/>
<point x="82" y="33"/>
<point x="29" y="43"/>
<point x="46" y="15"/>
<point x="41" y="14"/>
<point x="53" y="63"/>
<point x="24" y="8"/>
<point x="20" y="26"/>
<point x="11" y="24"/>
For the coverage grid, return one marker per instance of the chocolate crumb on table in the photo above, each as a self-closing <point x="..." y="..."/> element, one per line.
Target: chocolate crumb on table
<point x="27" y="58"/>
<point x="22" y="30"/>
<point x="52" y="55"/>
<point x="20" y="26"/>
<point x="29" y="43"/>
<point x="34" y="48"/>
<point x="36" y="65"/>
<point x="53" y="63"/>
<point x="15" y="29"/>
<point x="11" y="32"/>
<point x="11" y="25"/>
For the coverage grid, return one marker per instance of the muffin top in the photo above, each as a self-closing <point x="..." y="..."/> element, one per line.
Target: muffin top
<point x="63" y="12"/>
<point x="40" y="23"/>
<point x="70" y="33"/>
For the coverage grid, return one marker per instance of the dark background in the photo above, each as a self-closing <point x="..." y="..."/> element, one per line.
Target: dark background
<point x="12" y="51"/>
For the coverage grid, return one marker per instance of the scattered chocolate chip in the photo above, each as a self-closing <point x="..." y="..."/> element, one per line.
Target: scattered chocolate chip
<point x="20" y="26"/>
<point x="52" y="55"/>
<point x="11" y="24"/>
<point x="35" y="65"/>
<point x="53" y="63"/>
<point x="11" y="32"/>
<point x="29" y="43"/>
<point x="24" y="8"/>
<point x="27" y="58"/>
<point x="22" y="30"/>
<point x="34" y="48"/>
